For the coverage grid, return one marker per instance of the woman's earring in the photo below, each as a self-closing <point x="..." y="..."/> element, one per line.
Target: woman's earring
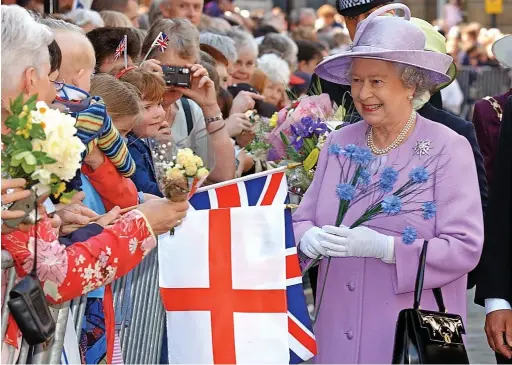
<point x="410" y="97"/>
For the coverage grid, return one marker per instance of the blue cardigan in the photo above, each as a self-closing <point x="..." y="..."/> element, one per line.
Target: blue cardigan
<point x="144" y="177"/>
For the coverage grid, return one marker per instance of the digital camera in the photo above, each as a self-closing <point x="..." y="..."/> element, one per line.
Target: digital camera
<point x="176" y="76"/>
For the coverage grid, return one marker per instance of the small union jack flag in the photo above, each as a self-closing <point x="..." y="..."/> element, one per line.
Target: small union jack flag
<point x="162" y="41"/>
<point x="121" y="47"/>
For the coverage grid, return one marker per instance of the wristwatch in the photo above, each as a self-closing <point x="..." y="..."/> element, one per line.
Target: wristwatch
<point x="213" y="119"/>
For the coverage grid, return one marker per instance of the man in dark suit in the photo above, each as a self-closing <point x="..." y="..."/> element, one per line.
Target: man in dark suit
<point x="487" y="121"/>
<point x="494" y="284"/>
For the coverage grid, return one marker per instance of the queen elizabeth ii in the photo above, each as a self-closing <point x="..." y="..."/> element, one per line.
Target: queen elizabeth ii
<point x="372" y="269"/>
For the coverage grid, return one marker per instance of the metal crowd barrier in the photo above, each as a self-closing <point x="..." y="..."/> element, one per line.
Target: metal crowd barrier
<point x="479" y="82"/>
<point x="140" y="329"/>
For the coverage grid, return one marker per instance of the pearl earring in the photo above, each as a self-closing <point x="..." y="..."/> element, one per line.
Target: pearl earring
<point x="410" y="97"/>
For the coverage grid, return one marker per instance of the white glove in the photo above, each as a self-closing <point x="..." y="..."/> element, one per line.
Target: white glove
<point x="310" y="243"/>
<point x="357" y="242"/>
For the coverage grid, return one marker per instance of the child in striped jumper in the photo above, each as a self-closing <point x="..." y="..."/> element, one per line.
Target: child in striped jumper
<point x="93" y="124"/>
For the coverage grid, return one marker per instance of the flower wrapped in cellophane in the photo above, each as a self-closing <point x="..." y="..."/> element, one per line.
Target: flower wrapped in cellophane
<point x="259" y="146"/>
<point x="303" y="146"/>
<point x="179" y="171"/>
<point x="41" y="147"/>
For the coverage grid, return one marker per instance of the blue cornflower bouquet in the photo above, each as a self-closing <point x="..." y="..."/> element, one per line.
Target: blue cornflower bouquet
<point x="303" y="146"/>
<point x="358" y="183"/>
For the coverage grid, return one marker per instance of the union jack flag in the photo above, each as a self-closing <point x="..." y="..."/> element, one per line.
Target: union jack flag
<point x="121" y="48"/>
<point x="162" y="41"/>
<point x="269" y="188"/>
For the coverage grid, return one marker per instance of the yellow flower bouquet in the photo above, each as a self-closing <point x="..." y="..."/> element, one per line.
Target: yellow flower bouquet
<point x="179" y="171"/>
<point x="41" y="147"/>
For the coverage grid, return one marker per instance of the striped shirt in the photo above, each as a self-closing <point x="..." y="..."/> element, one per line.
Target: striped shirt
<point x="95" y="127"/>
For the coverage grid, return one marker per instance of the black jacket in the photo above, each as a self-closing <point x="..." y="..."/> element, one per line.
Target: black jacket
<point x="495" y="268"/>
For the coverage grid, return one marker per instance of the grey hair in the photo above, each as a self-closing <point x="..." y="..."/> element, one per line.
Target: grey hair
<point x="113" y="18"/>
<point x="83" y="17"/>
<point x="24" y="44"/>
<point x="223" y="44"/>
<point x="154" y="13"/>
<point x="416" y="77"/>
<point x="282" y="45"/>
<point x="183" y="37"/>
<point x="243" y="39"/>
<point x="59" y="24"/>
<point x="275" y="68"/>
<point x="297" y="14"/>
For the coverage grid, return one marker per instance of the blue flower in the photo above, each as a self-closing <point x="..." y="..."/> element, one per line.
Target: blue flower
<point x="418" y="175"/>
<point x="409" y="235"/>
<point x="364" y="178"/>
<point x="429" y="210"/>
<point x="391" y="205"/>
<point x="349" y="150"/>
<point x="345" y="192"/>
<point x="362" y="156"/>
<point x="388" y="178"/>
<point x="335" y="149"/>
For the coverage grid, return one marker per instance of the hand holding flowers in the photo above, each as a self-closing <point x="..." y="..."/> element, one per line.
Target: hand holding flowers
<point x="41" y="147"/>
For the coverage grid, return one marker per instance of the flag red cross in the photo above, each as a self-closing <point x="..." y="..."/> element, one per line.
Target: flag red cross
<point x="220" y="298"/>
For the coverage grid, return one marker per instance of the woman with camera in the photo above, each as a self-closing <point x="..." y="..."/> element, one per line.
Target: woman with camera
<point x="198" y="113"/>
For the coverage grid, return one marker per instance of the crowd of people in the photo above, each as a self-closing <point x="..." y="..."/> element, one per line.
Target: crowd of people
<point x="239" y="62"/>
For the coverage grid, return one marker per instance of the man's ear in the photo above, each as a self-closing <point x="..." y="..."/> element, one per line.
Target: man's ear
<point x="301" y="64"/>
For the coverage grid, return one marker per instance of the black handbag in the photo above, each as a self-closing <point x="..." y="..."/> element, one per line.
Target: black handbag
<point x="427" y="337"/>
<point x="29" y="307"/>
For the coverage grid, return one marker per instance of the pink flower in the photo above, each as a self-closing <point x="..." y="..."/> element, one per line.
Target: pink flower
<point x="52" y="260"/>
<point x="148" y="244"/>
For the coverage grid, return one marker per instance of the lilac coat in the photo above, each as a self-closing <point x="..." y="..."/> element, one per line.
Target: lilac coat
<point x="363" y="296"/>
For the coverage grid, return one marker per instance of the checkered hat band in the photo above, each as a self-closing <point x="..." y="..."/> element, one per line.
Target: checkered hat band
<point x="347" y="4"/>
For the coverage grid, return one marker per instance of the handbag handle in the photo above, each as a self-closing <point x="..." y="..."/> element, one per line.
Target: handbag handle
<point x="418" y="288"/>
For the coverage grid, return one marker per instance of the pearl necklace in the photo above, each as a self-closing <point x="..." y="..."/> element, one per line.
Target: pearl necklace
<point x="396" y="142"/>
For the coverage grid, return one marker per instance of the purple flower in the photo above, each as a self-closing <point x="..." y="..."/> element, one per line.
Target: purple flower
<point x="391" y="205"/>
<point x="418" y="175"/>
<point x="409" y="235"/>
<point x="388" y="178"/>
<point x="297" y="142"/>
<point x="345" y="192"/>
<point x="300" y="131"/>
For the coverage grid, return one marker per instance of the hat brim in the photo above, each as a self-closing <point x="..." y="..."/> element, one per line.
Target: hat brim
<point x="336" y="68"/>
<point x="452" y="74"/>
<point x="502" y="50"/>
<point x="361" y="9"/>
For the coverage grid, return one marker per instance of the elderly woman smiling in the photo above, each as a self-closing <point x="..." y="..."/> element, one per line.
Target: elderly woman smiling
<point x="373" y="267"/>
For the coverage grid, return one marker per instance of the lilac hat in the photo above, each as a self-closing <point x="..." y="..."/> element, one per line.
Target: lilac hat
<point x="387" y="38"/>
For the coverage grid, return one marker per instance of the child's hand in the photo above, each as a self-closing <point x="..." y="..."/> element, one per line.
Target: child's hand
<point x="95" y="158"/>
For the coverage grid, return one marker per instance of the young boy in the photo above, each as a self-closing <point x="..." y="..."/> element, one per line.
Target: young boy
<point x="94" y="126"/>
<point x="152" y="89"/>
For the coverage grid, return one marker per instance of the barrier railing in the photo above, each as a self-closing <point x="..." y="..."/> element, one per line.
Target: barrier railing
<point x="479" y="82"/>
<point x="139" y="311"/>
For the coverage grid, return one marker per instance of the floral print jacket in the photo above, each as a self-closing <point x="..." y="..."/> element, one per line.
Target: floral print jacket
<point x="69" y="272"/>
